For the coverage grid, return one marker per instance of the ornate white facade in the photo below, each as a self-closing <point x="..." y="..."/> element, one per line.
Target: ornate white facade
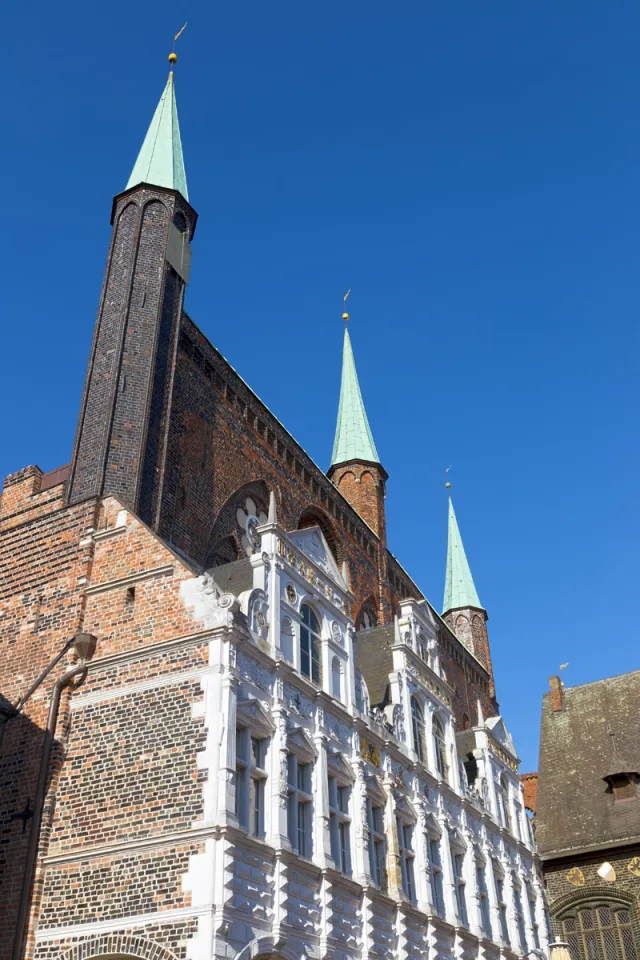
<point x="343" y="832"/>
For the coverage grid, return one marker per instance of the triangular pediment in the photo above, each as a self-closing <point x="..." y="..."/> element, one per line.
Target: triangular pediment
<point x="404" y="809"/>
<point x="499" y="730"/>
<point x="375" y="789"/>
<point x="338" y="764"/>
<point x="312" y="543"/>
<point x="251" y="713"/>
<point x="299" y="740"/>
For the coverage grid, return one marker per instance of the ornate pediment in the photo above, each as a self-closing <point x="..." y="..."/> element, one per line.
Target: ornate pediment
<point x="251" y="713"/>
<point x="404" y="809"/>
<point x="339" y="765"/>
<point x="312" y="543"/>
<point x="300" y="741"/>
<point x="499" y="730"/>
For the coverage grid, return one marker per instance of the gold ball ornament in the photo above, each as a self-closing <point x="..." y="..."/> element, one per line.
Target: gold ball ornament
<point x="345" y="316"/>
<point x="173" y="58"/>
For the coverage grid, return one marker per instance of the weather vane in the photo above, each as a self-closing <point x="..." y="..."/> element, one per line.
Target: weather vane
<point x="448" y="482"/>
<point x="173" y="56"/>
<point x="345" y="315"/>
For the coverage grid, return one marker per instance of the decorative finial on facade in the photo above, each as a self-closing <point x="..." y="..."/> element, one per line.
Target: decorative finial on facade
<point x="345" y="574"/>
<point x="345" y="315"/>
<point x="173" y="56"/>
<point x="480" y="714"/>
<point x="273" y="513"/>
<point x="448" y="482"/>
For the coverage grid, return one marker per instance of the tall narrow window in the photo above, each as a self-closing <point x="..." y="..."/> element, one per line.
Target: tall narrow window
<point x="340" y="825"/>
<point x="251" y="777"/>
<point x="595" y="930"/>
<point x="460" y="883"/>
<point x="299" y="805"/>
<point x="405" y="848"/>
<point x="503" y="801"/>
<point x="336" y="678"/>
<point x="517" y="902"/>
<point x="377" y="844"/>
<point x="417" y="724"/>
<point x="502" y="906"/>
<point x="483" y="897"/>
<point x="440" y="749"/>
<point x="533" y="917"/>
<point x="310" y="644"/>
<point x="435" y="871"/>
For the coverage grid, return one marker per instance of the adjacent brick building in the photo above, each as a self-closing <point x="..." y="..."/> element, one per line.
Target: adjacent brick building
<point x="587" y="815"/>
<point x="280" y="748"/>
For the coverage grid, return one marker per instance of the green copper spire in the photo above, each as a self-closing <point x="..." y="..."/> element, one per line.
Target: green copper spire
<point x="459" y="588"/>
<point x="353" y="434"/>
<point x="160" y="160"/>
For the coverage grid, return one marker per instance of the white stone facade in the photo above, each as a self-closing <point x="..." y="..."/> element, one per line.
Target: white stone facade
<point x="339" y="834"/>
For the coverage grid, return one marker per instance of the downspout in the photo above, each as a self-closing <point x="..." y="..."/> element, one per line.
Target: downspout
<point x="79" y="671"/>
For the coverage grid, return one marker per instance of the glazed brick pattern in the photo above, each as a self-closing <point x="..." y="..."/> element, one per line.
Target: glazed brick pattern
<point x="135" y="376"/>
<point x="127" y="364"/>
<point x="134" y="614"/>
<point x="137" y="884"/>
<point x="131" y="770"/>
<point x="148" y="943"/>
<point x="95" y="416"/>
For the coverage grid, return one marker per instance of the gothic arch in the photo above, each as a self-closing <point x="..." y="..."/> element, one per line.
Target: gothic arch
<point x="314" y="517"/>
<point x="595" y="895"/>
<point x="115" y="946"/>
<point x="226" y="535"/>
<point x="368" y="610"/>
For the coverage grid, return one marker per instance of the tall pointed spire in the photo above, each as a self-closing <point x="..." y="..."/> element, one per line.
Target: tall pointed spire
<point x="160" y="161"/>
<point x="459" y="588"/>
<point x="353" y="440"/>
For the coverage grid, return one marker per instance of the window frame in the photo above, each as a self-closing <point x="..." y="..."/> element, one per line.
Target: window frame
<point x="300" y="801"/>
<point x="312" y="637"/>
<point x="440" y="747"/>
<point x="340" y="820"/>
<point x="407" y="856"/>
<point x="436" y="876"/>
<point x="377" y="842"/>
<point x="251" y="779"/>
<point x="418" y="729"/>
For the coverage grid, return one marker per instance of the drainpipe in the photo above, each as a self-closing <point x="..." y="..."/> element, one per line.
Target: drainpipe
<point x="79" y="672"/>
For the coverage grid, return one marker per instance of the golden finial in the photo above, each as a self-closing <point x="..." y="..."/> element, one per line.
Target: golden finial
<point x="345" y="315"/>
<point x="173" y="56"/>
<point x="446" y="473"/>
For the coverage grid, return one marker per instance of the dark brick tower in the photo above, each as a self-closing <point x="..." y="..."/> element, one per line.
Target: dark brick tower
<point x="120" y="444"/>
<point x="356" y="469"/>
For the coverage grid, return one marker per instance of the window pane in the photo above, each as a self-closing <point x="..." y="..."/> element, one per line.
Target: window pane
<point x="343" y="799"/>
<point x="305" y="652"/>
<point x="315" y="659"/>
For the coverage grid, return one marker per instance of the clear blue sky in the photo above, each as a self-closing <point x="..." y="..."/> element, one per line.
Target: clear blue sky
<point x="471" y="170"/>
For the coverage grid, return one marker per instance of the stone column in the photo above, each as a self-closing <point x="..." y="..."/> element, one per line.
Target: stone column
<point x="361" y="865"/>
<point x="321" y="834"/>
<point x="394" y="872"/>
<point x="227" y="769"/>
<point x="277" y="785"/>
<point x="448" y="878"/>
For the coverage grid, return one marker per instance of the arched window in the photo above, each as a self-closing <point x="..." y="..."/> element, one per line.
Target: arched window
<point x="440" y="749"/>
<point x="310" y="644"/>
<point x="597" y="930"/>
<point x="503" y="801"/>
<point x="336" y="678"/>
<point x="417" y="724"/>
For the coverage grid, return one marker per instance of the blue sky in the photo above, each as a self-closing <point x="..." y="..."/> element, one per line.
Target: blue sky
<point x="471" y="171"/>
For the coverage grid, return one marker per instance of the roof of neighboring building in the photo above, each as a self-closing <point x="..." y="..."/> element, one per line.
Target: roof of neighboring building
<point x="375" y="660"/>
<point x="596" y="729"/>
